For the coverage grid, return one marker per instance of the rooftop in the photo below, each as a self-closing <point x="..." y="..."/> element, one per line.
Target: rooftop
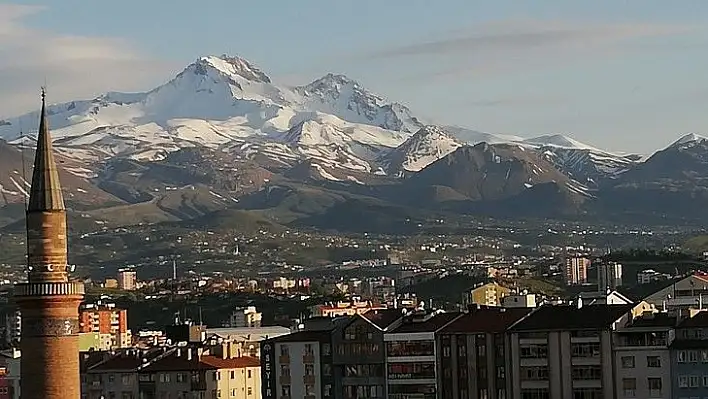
<point x="430" y="324"/>
<point x="568" y="317"/>
<point x="489" y="320"/>
<point x="383" y="318"/>
<point x="700" y="319"/>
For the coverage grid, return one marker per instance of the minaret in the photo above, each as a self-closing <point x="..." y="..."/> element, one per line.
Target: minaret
<point x="49" y="302"/>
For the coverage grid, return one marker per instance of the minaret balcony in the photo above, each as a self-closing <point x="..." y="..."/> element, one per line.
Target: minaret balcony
<point x="49" y="289"/>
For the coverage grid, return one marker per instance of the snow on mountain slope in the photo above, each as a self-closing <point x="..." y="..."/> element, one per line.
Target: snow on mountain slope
<point x="559" y="140"/>
<point x="347" y="99"/>
<point x="473" y="137"/>
<point x="219" y="102"/>
<point x="688" y="141"/>
<point x="426" y="146"/>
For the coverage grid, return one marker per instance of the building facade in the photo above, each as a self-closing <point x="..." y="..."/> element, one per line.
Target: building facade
<point x="474" y="353"/>
<point x="103" y="327"/>
<point x="411" y="357"/>
<point x="298" y="365"/>
<point x="576" y="270"/>
<point x="642" y="360"/>
<point x="49" y="302"/>
<point x="127" y="279"/>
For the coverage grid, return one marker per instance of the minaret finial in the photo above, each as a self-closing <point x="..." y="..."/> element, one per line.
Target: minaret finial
<point x="44" y="93"/>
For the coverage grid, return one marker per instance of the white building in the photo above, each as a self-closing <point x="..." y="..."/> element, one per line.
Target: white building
<point x="521" y="300"/>
<point x="642" y="357"/>
<point x="245" y="317"/>
<point x="297" y="365"/>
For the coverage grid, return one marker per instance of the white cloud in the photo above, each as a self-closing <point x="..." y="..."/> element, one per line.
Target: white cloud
<point x="74" y="67"/>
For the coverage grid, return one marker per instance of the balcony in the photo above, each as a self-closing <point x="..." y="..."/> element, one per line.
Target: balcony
<point x="285" y="380"/>
<point x="308" y="379"/>
<point x="284" y="359"/>
<point x="308" y="358"/>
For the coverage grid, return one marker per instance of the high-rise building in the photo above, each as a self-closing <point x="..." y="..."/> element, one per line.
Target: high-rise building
<point x="49" y="302"/>
<point x="127" y="279"/>
<point x="576" y="270"/>
<point x="245" y="317"/>
<point x="609" y="276"/>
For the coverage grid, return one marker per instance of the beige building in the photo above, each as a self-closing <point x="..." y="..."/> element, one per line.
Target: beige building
<point x="171" y="373"/>
<point x="127" y="280"/>
<point x="344" y="308"/>
<point x="489" y="294"/>
<point x="576" y="270"/>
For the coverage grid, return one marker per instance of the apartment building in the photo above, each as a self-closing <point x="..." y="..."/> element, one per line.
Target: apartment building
<point x="359" y="358"/>
<point x="103" y="327"/>
<point x="642" y="361"/>
<point x="411" y="360"/>
<point x="689" y="357"/>
<point x="489" y="294"/>
<point x="298" y="365"/>
<point x="127" y="279"/>
<point x="473" y="353"/>
<point x="245" y="317"/>
<point x="562" y="352"/>
<point x="344" y="308"/>
<point x="183" y="372"/>
<point x="683" y="294"/>
<point x="576" y="270"/>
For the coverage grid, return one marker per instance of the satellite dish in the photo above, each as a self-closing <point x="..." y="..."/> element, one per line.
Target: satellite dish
<point x="50" y="267"/>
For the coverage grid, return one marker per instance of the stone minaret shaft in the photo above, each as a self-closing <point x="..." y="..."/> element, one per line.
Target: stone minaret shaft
<point x="48" y="302"/>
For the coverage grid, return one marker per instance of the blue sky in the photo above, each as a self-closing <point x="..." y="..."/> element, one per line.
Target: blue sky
<point x="622" y="75"/>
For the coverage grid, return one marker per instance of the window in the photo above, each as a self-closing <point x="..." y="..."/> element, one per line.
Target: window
<point x="249" y="391"/>
<point x="326" y="369"/>
<point x="533" y="351"/>
<point x="309" y="390"/>
<point x="285" y="390"/>
<point x="586" y="372"/>
<point x="693" y="356"/>
<point x="328" y="390"/>
<point x="308" y="349"/>
<point x="681" y="357"/>
<point x="248" y="374"/>
<point x="181" y="377"/>
<point x="326" y="349"/>
<point x="125" y="379"/>
<point x="284" y="350"/>
<point x="653" y="361"/>
<point x="446" y="351"/>
<point x="533" y="373"/>
<point x="585" y="349"/>
<point x="655" y="386"/>
<point x="111" y="377"/>
<point x="693" y="381"/>
<point x="535" y="393"/>
<point x="309" y="369"/>
<point x="627" y="362"/>
<point x="629" y="387"/>
<point x="683" y="381"/>
<point x="285" y="370"/>
<point x="587" y="393"/>
<point x="705" y="380"/>
<point x="233" y="374"/>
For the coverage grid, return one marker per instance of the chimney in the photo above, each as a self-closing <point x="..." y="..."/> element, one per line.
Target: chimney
<point x="189" y="353"/>
<point x="225" y="350"/>
<point x="179" y="352"/>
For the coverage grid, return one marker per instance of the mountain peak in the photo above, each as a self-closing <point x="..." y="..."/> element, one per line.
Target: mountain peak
<point x="230" y="65"/>
<point x="688" y="140"/>
<point x="426" y="146"/>
<point x="559" y="140"/>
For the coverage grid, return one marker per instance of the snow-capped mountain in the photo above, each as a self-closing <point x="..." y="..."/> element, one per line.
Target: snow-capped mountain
<point x="426" y="146"/>
<point x="687" y="141"/>
<point x="228" y="102"/>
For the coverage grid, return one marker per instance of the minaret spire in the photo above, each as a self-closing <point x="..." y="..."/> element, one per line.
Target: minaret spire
<point x="45" y="194"/>
<point x="49" y="301"/>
